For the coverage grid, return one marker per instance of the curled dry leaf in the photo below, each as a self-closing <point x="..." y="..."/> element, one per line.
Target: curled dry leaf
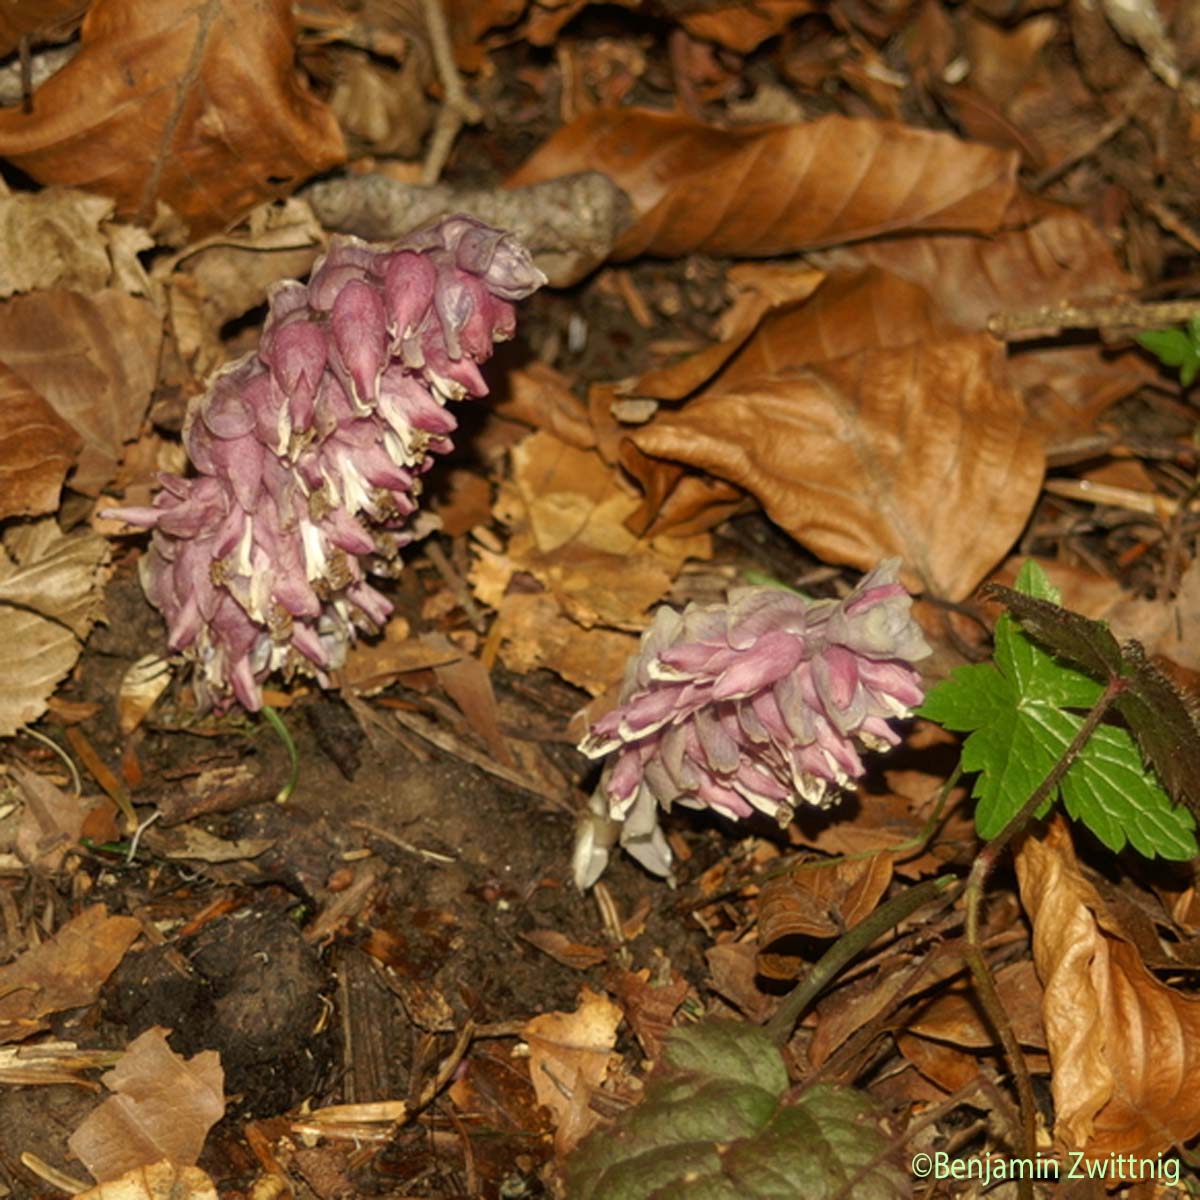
<point x="161" y="1111"/>
<point x="650" y="1007"/>
<point x="541" y="397"/>
<point x="953" y="1014"/>
<point x="534" y="632"/>
<point x="94" y="359"/>
<point x="52" y="821"/>
<point x="741" y="27"/>
<point x="568" y="513"/>
<point x="39" y="21"/>
<point x="778" y="189"/>
<point x="921" y="451"/>
<point x="1125" y="1048"/>
<point x="816" y="900"/>
<point x="140" y="689"/>
<point x="50" y="595"/>
<point x="226" y="275"/>
<point x="197" y="106"/>
<point x="37" y="448"/>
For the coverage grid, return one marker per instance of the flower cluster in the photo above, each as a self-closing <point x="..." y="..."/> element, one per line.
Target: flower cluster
<point x="310" y="452"/>
<point x="748" y="706"/>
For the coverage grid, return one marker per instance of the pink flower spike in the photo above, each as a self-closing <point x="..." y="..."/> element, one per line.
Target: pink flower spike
<point x="759" y="704"/>
<point x="308" y="466"/>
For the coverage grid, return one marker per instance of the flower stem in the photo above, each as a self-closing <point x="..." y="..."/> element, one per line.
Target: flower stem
<point x="276" y="722"/>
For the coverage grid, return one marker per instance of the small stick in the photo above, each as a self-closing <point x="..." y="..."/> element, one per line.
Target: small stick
<point x="51" y="744"/>
<point x="1051" y="319"/>
<point x="457" y="107"/>
<point x="455" y="582"/>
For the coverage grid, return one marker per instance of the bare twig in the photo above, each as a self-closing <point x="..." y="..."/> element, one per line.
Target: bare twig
<point x="457" y="107"/>
<point x="457" y="585"/>
<point x="1119" y="315"/>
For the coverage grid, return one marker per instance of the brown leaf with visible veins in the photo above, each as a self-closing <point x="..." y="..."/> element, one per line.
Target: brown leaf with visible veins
<point x="37" y="449"/>
<point x="921" y="451"/>
<point x="161" y="1109"/>
<point x="51" y="593"/>
<point x="198" y="105"/>
<point x="778" y="189"/>
<point x="94" y="359"/>
<point x="1062" y="256"/>
<point x="1125" y="1048"/>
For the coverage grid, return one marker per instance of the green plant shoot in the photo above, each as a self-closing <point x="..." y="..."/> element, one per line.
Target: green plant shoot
<point x="1176" y="348"/>
<point x="1022" y="710"/>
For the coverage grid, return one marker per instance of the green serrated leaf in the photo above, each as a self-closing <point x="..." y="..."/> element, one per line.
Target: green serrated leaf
<point x="720" y="1050"/>
<point x="1022" y="711"/>
<point x="1162" y="720"/>
<point x="717" y="1123"/>
<point x="1033" y="581"/>
<point x="1112" y="793"/>
<point x="1175" y="348"/>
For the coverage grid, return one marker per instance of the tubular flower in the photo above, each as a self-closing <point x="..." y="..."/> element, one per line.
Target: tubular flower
<point x="753" y="705"/>
<point x="309" y="452"/>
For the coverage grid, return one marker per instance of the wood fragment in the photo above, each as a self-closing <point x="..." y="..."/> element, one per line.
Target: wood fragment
<point x="1118" y="316"/>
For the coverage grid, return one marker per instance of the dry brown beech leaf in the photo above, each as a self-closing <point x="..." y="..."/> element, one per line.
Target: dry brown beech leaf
<point x="65" y="238"/>
<point x="849" y="313"/>
<point x="197" y="105"/>
<point x="50" y="595"/>
<point x="921" y="451"/>
<point x="37" y="448"/>
<point x="65" y="972"/>
<point x="1062" y="256"/>
<point x="38" y="20"/>
<point x="160" y="1181"/>
<point x="778" y="189"/>
<point x="569" y="1058"/>
<point x="567" y="512"/>
<point x="94" y="359"/>
<point x="817" y="899"/>
<point x="1125" y="1048"/>
<point x="953" y="1014"/>
<point x="161" y="1109"/>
